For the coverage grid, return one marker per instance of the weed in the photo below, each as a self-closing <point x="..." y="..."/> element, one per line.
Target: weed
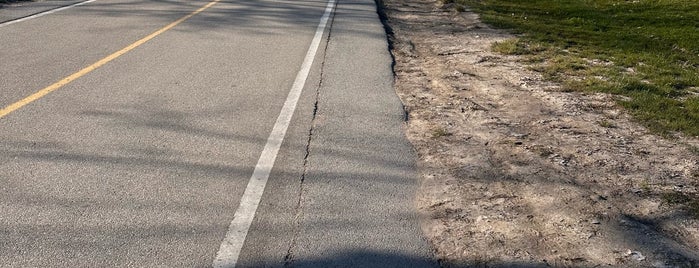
<point x="645" y="186"/>
<point x="690" y="203"/>
<point x="606" y="124"/>
<point x="440" y="132"/>
<point x="542" y="151"/>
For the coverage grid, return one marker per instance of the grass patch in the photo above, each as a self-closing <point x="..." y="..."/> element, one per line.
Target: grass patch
<point x="646" y="50"/>
<point x="510" y="47"/>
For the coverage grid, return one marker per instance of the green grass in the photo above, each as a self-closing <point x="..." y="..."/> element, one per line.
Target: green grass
<point x="646" y="50"/>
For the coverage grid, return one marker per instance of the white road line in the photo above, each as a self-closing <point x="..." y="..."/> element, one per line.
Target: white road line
<point x="228" y="253"/>
<point x="44" y="13"/>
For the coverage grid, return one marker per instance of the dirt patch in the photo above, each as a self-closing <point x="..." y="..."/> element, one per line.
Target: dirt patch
<point x="518" y="173"/>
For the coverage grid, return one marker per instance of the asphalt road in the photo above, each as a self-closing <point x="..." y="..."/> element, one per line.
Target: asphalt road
<point x="142" y="162"/>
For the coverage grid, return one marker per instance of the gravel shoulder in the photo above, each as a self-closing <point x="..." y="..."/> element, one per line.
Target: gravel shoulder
<point x="516" y="172"/>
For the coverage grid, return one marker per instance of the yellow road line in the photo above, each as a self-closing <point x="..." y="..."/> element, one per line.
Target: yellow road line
<point x="13" y="107"/>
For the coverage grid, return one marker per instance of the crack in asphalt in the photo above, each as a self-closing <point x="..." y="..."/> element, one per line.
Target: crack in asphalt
<point x="289" y="257"/>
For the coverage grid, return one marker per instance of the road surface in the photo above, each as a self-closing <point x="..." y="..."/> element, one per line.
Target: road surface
<point x="143" y="158"/>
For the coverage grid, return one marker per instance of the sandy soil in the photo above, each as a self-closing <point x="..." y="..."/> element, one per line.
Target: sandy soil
<point x="516" y="173"/>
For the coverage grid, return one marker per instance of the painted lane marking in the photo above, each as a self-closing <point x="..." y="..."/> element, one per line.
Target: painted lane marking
<point x="34" y="16"/>
<point x="228" y="253"/>
<point x="37" y="95"/>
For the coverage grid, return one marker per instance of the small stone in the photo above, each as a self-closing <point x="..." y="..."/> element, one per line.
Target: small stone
<point x="519" y="135"/>
<point x="597" y="198"/>
<point x="635" y="255"/>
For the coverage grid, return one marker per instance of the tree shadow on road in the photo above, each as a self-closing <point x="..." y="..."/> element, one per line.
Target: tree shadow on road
<point x="4" y="3"/>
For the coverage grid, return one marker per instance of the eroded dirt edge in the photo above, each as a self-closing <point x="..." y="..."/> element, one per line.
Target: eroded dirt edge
<point x="515" y="172"/>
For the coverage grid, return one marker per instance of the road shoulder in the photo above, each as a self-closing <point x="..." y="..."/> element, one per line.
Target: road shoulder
<point x="357" y="207"/>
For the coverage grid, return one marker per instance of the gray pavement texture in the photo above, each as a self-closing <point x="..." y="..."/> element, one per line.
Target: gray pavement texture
<point x="142" y="162"/>
<point x="19" y="9"/>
